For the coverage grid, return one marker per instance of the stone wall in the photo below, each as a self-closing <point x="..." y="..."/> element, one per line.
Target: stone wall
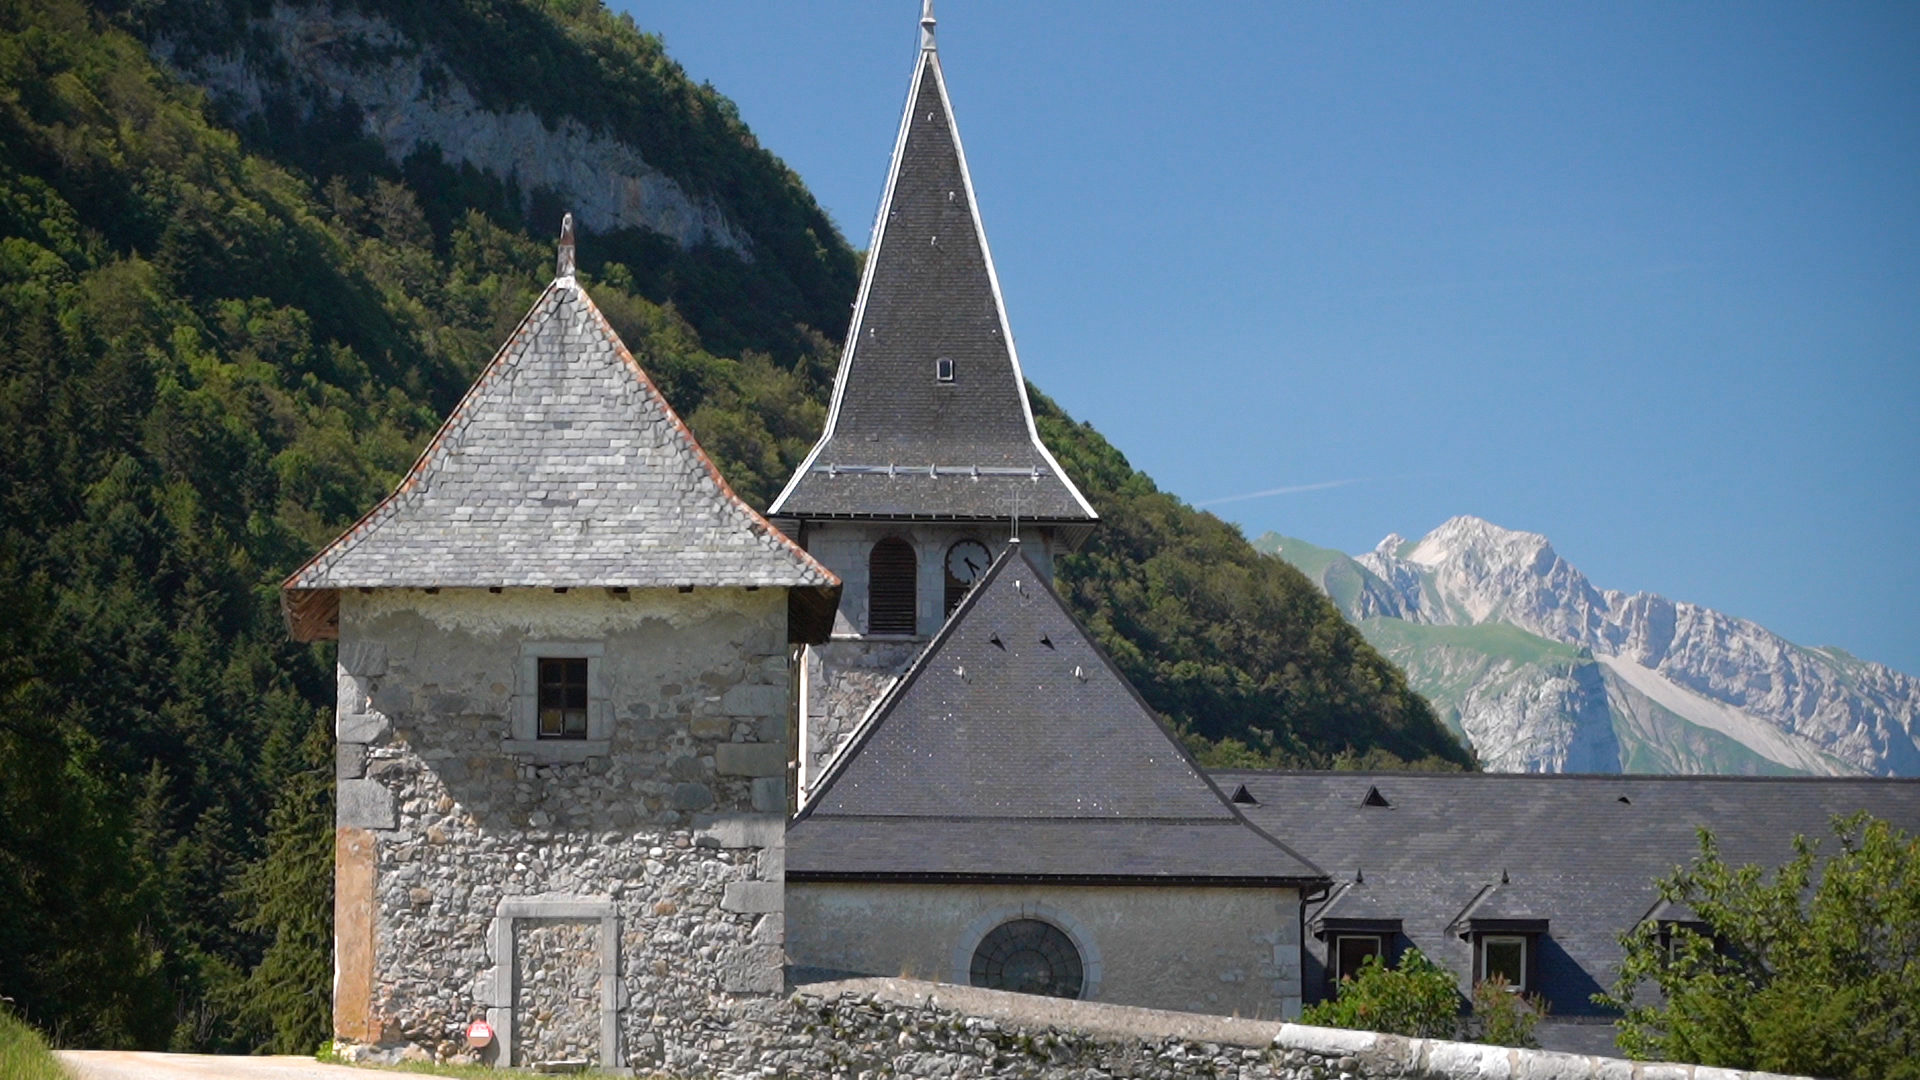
<point x="614" y="900"/>
<point x="874" y="1028"/>
<point x="1231" y="952"/>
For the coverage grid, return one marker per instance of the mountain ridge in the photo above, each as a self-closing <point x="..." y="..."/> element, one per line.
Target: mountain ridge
<point x="1793" y="707"/>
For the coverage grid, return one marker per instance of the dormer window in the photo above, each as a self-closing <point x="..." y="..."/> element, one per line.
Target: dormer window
<point x="1348" y="951"/>
<point x="1507" y="956"/>
<point x="943" y="369"/>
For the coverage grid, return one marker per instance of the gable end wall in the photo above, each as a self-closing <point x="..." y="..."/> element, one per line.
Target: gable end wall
<point x="639" y="890"/>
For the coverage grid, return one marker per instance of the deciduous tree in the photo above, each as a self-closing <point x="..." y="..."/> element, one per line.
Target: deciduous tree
<point x="1810" y="968"/>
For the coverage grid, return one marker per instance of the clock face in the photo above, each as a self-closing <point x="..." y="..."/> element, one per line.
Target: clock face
<point x="967" y="560"/>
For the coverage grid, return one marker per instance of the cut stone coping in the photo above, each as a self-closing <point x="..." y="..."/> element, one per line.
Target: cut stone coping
<point x="1097" y="1019"/>
<point x="1376" y="1054"/>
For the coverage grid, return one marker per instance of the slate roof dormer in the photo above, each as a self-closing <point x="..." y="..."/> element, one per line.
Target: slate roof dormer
<point x="1353" y="908"/>
<point x="563" y="466"/>
<point x="1013" y="750"/>
<point x="1502" y="908"/>
<point x="930" y="418"/>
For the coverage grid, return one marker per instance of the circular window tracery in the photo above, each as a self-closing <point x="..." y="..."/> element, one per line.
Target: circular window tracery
<point x="1030" y="957"/>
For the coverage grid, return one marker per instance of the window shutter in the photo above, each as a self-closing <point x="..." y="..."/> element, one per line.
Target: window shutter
<point x="892" y="593"/>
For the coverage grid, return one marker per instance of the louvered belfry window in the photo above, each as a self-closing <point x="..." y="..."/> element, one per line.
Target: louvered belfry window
<point x="891" y="590"/>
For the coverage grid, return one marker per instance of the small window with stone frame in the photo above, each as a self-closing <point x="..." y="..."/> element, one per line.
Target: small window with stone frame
<point x="563" y="697"/>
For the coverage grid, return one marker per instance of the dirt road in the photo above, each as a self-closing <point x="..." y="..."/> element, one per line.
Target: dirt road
<point x="137" y="1065"/>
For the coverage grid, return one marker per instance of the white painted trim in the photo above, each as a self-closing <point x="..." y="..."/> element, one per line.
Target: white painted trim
<point x="1482" y="941"/>
<point x="1091" y="964"/>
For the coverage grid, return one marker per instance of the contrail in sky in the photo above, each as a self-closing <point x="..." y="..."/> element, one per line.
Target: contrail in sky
<point x="1292" y="489"/>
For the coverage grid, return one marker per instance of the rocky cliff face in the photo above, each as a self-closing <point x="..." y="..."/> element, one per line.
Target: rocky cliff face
<point x="409" y="100"/>
<point x="1591" y="679"/>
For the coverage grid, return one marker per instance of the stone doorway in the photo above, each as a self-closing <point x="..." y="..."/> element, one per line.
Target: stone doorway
<point x="556" y="992"/>
<point x="556" y="981"/>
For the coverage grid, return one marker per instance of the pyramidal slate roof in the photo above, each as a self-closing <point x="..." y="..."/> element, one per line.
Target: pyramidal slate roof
<point x="901" y="442"/>
<point x="1013" y="749"/>
<point x="562" y="466"/>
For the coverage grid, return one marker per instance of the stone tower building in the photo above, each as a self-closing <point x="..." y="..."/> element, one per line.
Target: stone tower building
<point x="930" y="460"/>
<point x="564" y="671"/>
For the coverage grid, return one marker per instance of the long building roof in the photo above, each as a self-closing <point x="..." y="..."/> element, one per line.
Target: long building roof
<point x="1572" y="857"/>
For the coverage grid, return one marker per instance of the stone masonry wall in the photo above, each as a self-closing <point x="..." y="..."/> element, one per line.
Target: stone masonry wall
<point x="634" y="895"/>
<point x="875" y="1028"/>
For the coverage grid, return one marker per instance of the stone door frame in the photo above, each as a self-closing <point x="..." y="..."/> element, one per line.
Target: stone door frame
<point x="501" y="977"/>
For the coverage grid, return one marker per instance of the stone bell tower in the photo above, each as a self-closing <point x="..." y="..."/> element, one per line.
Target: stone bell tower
<point x="930" y="461"/>
<point x="564" y="651"/>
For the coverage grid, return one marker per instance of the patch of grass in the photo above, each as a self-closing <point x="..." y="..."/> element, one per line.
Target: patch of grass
<point x="473" y="1072"/>
<point x="1497" y="640"/>
<point x="1336" y="572"/>
<point x="23" y="1053"/>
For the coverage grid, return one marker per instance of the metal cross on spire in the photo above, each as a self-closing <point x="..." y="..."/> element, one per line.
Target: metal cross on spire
<point x="926" y="24"/>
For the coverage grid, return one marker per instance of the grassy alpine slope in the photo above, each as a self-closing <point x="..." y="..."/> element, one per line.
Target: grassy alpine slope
<point x="225" y="343"/>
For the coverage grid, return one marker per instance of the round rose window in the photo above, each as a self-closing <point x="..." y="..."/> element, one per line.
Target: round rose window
<point x="1028" y="956"/>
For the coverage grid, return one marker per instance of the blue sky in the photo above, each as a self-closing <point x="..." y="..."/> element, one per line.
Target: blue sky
<point x="1642" y="277"/>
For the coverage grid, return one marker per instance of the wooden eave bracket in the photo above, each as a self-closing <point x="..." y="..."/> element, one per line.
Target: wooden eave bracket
<point x="311" y="614"/>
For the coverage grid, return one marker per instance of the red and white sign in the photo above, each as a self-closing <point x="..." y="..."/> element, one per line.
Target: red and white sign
<point x="479" y="1033"/>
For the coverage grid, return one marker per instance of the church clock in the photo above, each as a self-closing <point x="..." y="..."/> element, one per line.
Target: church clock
<point x="966" y="561"/>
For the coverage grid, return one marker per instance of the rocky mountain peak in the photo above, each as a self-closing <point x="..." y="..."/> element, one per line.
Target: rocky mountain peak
<point x="1670" y="683"/>
<point x="1471" y="539"/>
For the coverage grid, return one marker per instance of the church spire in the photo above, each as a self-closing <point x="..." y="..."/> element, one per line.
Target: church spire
<point x="930" y="417"/>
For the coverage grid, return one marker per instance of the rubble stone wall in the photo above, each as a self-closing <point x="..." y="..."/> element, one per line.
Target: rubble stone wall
<point x="618" y="900"/>
<point x="895" y="1028"/>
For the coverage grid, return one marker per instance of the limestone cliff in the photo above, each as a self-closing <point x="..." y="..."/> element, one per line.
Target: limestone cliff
<point x="1544" y="671"/>
<point x="323" y="57"/>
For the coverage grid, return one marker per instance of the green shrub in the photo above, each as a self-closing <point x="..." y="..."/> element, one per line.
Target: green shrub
<point x="1415" y="997"/>
<point x="1502" y="1017"/>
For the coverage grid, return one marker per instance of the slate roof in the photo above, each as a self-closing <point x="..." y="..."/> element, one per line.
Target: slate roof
<point x="1580" y="852"/>
<point x="899" y="444"/>
<point x="1014" y="749"/>
<point x="1354" y="906"/>
<point x="562" y="466"/>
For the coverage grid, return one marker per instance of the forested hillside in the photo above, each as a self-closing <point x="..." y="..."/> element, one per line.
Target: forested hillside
<point x="227" y="336"/>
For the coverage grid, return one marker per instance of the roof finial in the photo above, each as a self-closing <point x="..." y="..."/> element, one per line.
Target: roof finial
<point x="926" y="24"/>
<point x="563" y="267"/>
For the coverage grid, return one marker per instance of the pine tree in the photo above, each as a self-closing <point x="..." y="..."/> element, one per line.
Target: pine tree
<point x="285" y="1004"/>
